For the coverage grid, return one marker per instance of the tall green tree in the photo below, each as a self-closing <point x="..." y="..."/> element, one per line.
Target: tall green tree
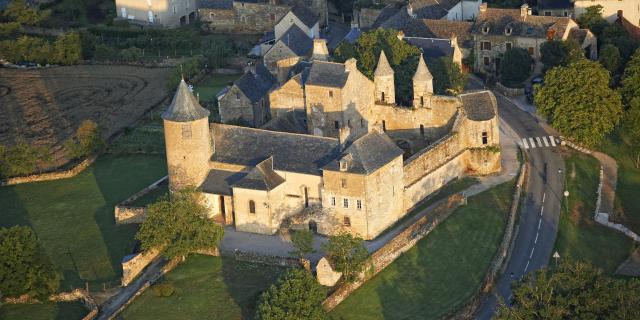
<point x="302" y="242"/>
<point x="578" y="102"/>
<point x="592" y="19"/>
<point x="347" y="254"/>
<point x="560" y="53"/>
<point x="515" y="67"/>
<point x="67" y="49"/>
<point x="631" y="133"/>
<point x="448" y="78"/>
<point x="86" y="141"/>
<point x="23" y="159"/>
<point x="179" y="225"/>
<point x="18" y="11"/>
<point x="609" y="57"/>
<point x="24" y="268"/>
<point x="574" y="290"/>
<point x="630" y="84"/>
<point x="295" y="296"/>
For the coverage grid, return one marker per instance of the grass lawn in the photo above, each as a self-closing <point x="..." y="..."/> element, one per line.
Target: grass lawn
<point x="73" y="218"/>
<point x="627" y="205"/>
<point x="442" y="271"/>
<point x="579" y="236"/>
<point x="208" y="88"/>
<point x="43" y="311"/>
<point x="152" y="196"/>
<point x="207" y="288"/>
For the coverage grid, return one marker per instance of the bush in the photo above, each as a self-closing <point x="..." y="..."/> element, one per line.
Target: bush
<point x="163" y="290"/>
<point x="86" y="141"/>
<point x="516" y="67"/>
<point x="23" y="159"/>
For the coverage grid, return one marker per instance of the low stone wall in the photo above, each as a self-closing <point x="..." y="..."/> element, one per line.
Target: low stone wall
<point x="509" y="92"/>
<point x="132" y="267"/>
<point x="603" y="217"/>
<point x="77" y="294"/>
<point x="130" y="214"/>
<point x="396" y="247"/>
<point x="50" y="175"/>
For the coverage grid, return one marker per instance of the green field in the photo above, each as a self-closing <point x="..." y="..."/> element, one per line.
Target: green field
<point x="207" y="288"/>
<point x="442" y="271"/>
<point x="209" y="88"/>
<point x="73" y="218"/>
<point x="43" y="311"/>
<point x="579" y="236"/>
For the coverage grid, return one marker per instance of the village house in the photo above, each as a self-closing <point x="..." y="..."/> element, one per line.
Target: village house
<point x="398" y="11"/>
<point x="164" y="13"/>
<point x="556" y="8"/>
<point x="611" y="9"/>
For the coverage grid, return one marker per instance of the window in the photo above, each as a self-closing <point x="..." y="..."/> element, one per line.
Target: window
<point x="345" y="203"/>
<point x="530" y="50"/>
<point x="343" y="166"/>
<point x="186" y="131"/>
<point x="252" y="206"/>
<point x="547" y="13"/>
<point x="566" y="14"/>
<point x="336" y="124"/>
<point x="382" y="96"/>
<point x="485" y="45"/>
<point x="237" y="97"/>
<point x="484" y="137"/>
<point x="333" y="201"/>
<point x="346" y="221"/>
<point x="344" y="183"/>
<point x="384" y="126"/>
<point x="422" y="130"/>
<point x="359" y="204"/>
<point x="509" y="45"/>
<point x="508" y="30"/>
<point x="211" y="16"/>
<point x="487" y="61"/>
<point x="485" y="29"/>
<point x="330" y="94"/>
<point x="421" y="101"/>
<point x="349" y="123"/>
<point x="362" y="123"/>
<point x="174" y="9"/>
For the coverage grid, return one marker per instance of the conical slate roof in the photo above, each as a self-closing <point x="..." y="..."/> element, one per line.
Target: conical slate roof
<point x="383" y="68"/>
<point x="422" y="72"/>
<point x="185" y="106"/>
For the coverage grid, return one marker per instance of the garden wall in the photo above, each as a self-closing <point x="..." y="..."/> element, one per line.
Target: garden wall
<point x="509" y="92"/>
<point x="129" y="214"/>
<point x="50" y="175"/>
<point x="240" y="255"/>
<point x="133" y="265"/>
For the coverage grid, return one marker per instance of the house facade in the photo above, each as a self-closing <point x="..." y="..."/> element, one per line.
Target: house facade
<point x="166" y="13"/>
<point x="610" y="9"/>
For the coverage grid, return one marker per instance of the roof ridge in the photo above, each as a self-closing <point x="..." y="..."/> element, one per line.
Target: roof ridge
<point x="274" y="132"/>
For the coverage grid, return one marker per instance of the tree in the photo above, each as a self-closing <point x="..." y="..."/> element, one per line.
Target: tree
<point x="560" y="53"/>
<point x="448" y="79"/>
<point x="610" y="58"/>
<point x="346" y="254"/>
<point x="295" y="296"/>
<point x="131" y="54"/>
<point x="24" y="268"/>
<point x="630" y="84"/>
<point x="18" y="11"/>
<point x="574" y="290"/>
<point x="67" y="49"/>
<point x="23" y="159"/>
<point x="515" y="67"/>
<point x="179" y="225"/>
<point x="577" y="101"/>
<point x="592" y="19"/>
<point x="631" y="133"/>
<point x="86" y="141"/>
<point x="302" y="242"/>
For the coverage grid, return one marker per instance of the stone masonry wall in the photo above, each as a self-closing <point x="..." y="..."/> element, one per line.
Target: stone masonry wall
<point x="132" y="267"/>
<point x="244" y="18"/>
<point x="432" y="158"/>
<point x="50" y="175"/>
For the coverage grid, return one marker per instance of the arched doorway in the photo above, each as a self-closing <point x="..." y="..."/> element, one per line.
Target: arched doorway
<point x="313" y="226"/>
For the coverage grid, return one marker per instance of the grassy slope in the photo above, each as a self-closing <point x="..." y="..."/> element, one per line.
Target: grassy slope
<point x="579" y="236"/>
<point x="207" y="288"/>
<point x="442" y="271"/>
<point x="43" y="311"/>
<point x="73" y="218"/>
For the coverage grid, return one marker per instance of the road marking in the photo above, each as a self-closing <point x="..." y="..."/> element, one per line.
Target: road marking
<point x="539" y="142"/>
<point x="536" y="240"/>
<point x="524" y="142"/>
<point x="541" y="210"/>
<point x="533" y="144"/>
<point x="553" y="141"/>
<point x="532" y="250"/>
<point x="544" y="139"/>
<point x="527" y="266"/>
<point x="544" y="195"/>
<point x="539" y="222"/>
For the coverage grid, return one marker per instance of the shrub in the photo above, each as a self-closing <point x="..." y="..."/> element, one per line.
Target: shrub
<point x="163" y="290"/>
<point x="86" y="141"/>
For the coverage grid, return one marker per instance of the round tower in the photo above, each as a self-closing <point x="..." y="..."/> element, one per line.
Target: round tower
<point x="383" y="79"/>
<point x="422" y="85"/>
<point x="187" y="140"/>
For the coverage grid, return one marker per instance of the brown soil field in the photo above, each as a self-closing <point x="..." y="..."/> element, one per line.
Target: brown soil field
<point x="45" y="107"/>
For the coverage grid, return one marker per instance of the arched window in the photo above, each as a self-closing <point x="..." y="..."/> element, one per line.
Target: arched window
<point x="252" y="206"/>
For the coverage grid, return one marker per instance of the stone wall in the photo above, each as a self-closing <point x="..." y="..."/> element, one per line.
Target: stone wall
<point x="433" y="181"/>
<point x="50" y="175"/>
<point x="129" y="214"/>
<point x="243" y="18"/>
<point x="188" y="146"/>
<point x="134" y="265"/>
<point x="431" y="158"/>
<point x="396" y="247"/>
<point x="509" y="92"/>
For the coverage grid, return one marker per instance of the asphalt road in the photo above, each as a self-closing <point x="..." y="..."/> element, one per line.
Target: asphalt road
<point x="538" y="224"/>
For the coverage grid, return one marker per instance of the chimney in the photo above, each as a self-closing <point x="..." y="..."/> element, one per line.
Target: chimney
<point x="524" y="10"/>
<point x="550" y="34"/>
<point x="351" y="64"/>
<point x="483" y="7"/>
<point x="343" y="136"/>
<point x="457" y="53"/>
<point x="410" y="10"/>
<point x="320" y="51"/>
<point x="400" y="35"/>
<point x="619" y="14"/>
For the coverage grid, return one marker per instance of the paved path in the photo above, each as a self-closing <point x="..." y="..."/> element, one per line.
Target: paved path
<point x="609" y="181"/>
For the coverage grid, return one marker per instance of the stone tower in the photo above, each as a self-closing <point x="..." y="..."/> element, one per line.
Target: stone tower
<point x="187" y="139"/>
<point x="422" y="85"/>
<point x="383" y="79"/>
<point x="320" y="50"/>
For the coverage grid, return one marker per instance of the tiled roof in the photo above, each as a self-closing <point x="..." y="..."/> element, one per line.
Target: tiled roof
<point x="327" y="74"/>
<point x="444" y="29"/>
<point x="216" y="4"/>
<point x="256" y="84"/>
<point x="184" y="106"/>
<point x="220" y="181"/>
<point x="299" y="153"/>
<point x="261" y="177"/>
<point x="297" y="40"/>
<point x="305" y="15"/>
<point x="497" y="20"/>
<point x="445" y="5"/>
<point x="479" y="105"/>
<point x="368" y="154"/>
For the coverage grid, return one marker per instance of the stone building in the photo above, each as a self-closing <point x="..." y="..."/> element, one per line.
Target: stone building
<point x="498" y="30"/>
<point x="246" y="100"/>
<point x="401" y="11"/>
<point x="611" y="9"/>
<point x="157" y="12"/>
<point x="367" y="163"/>
<point x="557" y="8"/>
<point x="257" y="16"/>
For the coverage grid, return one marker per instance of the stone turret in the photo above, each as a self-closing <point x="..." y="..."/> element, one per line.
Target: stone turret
<point x="187" y="140"/>
<point x="422" y="85"/>
<point x="320" y="50"/>
<point x="383" y="79"/>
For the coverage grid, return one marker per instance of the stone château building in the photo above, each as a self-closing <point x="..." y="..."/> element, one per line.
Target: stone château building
<point x="355" y="161"/>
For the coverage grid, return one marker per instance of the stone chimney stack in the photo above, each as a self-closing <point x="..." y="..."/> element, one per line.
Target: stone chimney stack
<point x="320" y="50"/>
<point x="343" y="136"/>
<point x="525" y="10"/>
<point x="400" y="35"/>
<point x="351" y="65"/>
<point x="483" y="7"/>
<point x="457" y="52"/>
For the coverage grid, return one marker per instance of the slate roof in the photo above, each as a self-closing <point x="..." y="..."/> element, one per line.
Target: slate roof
<point x="353" y="35"/>
<point x="261" y="177"/>
<point x="305" y="15"/>
<point x="555" y="4"/>
<point x="292" y="121"/>
<point x="291" y="152"/>
<point x="528" y="26"/>
<point x="383" y="68"/>
<point x="220" y="181"/>
<point x="327" y="74"/>
<point x="256" y="85"/>
<point x="431" y="47"/>
<point x="216" y="4"/>
<point x="386" y="13"/>
<point x="184" y="106"/>
<point x="444" y="29"/>
<point x="367" y="154"/>
<point x="297" y="40"/>
<point x="479" y="105"/>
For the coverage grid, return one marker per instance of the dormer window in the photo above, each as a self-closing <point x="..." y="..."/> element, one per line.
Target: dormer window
<point x="344" y="165"/>
<point x="485" y="29"/>
<point x="508" y="30"/>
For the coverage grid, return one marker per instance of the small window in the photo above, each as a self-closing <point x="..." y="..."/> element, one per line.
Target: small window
<point x="330" y="94"/>
<point x="344" y="183"/>
<point x="333" y="201"/>
<point x="485" y="29"/>
<point x="336" y="124"/>
<point x="343" y="165"/>
<point x="382" y="96"/>
<point x="211" y="15"/>
<point x="349" y="123"/>
<point x="384" y="126"/>
<point x="237" y="96"/>
<point x="509" y="45"/>
<point x="422" y="130"/>
<point x="530" y="50"/>
<point x="486" y="61"/>
<point x="547" y="13"/>
<point x="508" y="30"/>
<point x="252" y="206"/>
<point x="186" y="131"/>
<point x="484" y="138"/>
<point x="345" y="203"/>
<point x="362" y="123"/>
<point x="485" y="45"/>
<point x="174" y="9"/>
<point x="421" y="101"/>
<point x="359" y="204"/>
<point x="566" y="14"/>
<point x="346" y="221"/>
